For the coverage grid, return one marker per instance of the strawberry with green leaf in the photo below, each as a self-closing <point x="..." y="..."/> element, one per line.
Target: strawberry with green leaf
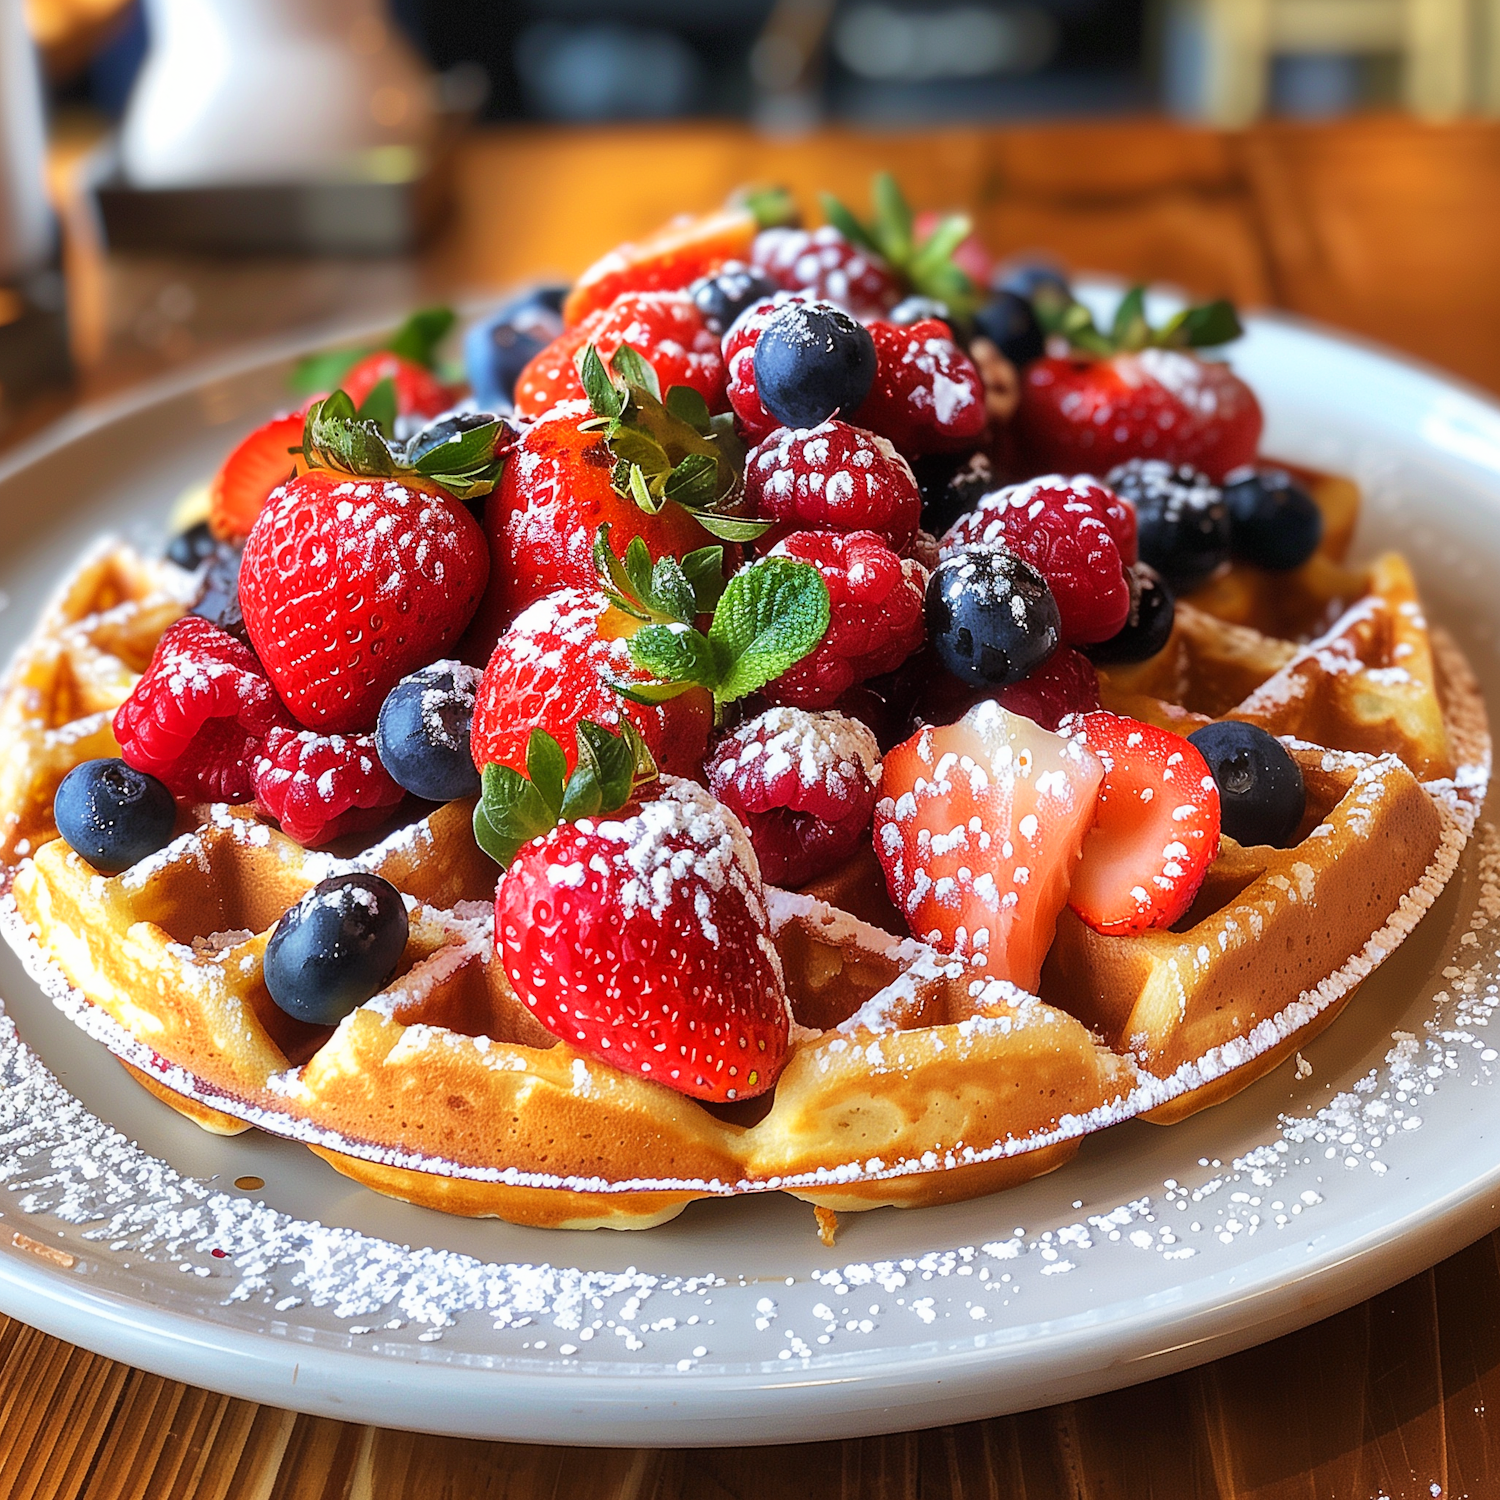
<point x="665" y="472"/>
<point x="408" y="359"/>
<point x="1135" y="391"/>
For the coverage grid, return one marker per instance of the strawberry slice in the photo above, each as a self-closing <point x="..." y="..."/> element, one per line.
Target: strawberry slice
<point x="1157" y="830"/>
<point x="978" y="830"/>
<point x="641" y="939"/>
<point x="664" y="261"/>
<point x="242" y="486"/>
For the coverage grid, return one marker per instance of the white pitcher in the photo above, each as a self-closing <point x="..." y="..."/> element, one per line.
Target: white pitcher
<point x="268" y="91"/>
<point x="25" y="219"/>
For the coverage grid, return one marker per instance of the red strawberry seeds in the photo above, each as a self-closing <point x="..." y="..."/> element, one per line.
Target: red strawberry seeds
<point x="642" y="940"/>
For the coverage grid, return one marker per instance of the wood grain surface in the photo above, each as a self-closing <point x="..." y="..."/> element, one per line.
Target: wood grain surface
<point x="1382" y="226"/>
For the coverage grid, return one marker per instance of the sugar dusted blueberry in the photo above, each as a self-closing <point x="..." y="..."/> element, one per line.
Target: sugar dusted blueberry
<point x="724" y="295"/>
<point x="1182" y="520"/>
<point x="113" y="815"/>
<point x="334" y="949"/>
<point x="812" y="362"/>
<point x="423" y="732"/>
<point x="991" y="617"/>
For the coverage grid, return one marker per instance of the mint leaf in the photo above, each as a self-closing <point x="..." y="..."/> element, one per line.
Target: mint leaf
<point x="605" y="397"/>
<point x="771" y="616"/>
<point x="633" y="368"/>
<point x="676" y="654"/>
<point x="704" y="571"/>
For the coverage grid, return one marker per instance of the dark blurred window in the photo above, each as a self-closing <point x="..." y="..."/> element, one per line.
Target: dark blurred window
<point x="876" y="60"/>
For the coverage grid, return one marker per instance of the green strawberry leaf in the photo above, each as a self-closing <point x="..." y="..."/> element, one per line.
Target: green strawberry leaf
<point x="418" y="337"/>
<point x="846" y="223"/>
<point x="688" y="405"/>
<point x="514" y="809"/>
<point x="893" y="219"/>
<point x="634" y="369"/>
<point x="704" y="571"/>
<point x="1130" y="330"/>
<point x="694" y="483"/>
<point x="1200" y="327"/>
<point x="768" y="618"/>
<point x="771" y="204"/>
<point x="379" y="406"/>
<point x="731" y="528"/>
<point x="1204" y="327"/>
<point x="605" y="397"/>
<point x="662" y="592"/>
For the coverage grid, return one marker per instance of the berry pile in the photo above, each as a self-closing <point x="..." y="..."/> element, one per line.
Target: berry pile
<point x="643" y="593"/>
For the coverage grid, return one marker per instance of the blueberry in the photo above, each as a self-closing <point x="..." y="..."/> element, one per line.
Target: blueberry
<point x="813" y="361"/>
<point x="1181" y="518"/>
<point x="499" y="347"/>
<point x="336" y="947"/>
<point x="1273" y="522"/>
<point x="112" y="814"/>
<point x="1146" y="627"/>
<point x="722" y="297"/>
<point x="422" y="733"/>
<point x="952" y="486"/>
<point x="1009" y="322"/>
<point x="188" y="548"/>
<point x="991" y="617"/>
<point x="218" y="599"/>
<point x="1261" y="793"/>
<point x="1033" y="278"/>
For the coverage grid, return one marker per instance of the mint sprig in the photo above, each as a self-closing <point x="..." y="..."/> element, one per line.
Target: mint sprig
<point x="769" y="617"/>
<point x="1204" y="326"/>
<point x="514" y="809"/>
<point x="667" y="591"/>
<point x="666" y="452"/>
<point x="926" y="265"/>
<point x="416" y="339"/>
<point x="336" y="436"/>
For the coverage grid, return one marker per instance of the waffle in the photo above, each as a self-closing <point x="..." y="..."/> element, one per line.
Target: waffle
<point x="908" y="1081"/>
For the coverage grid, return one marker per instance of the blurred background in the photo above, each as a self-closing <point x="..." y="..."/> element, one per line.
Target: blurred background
<point x="219" y="170"/>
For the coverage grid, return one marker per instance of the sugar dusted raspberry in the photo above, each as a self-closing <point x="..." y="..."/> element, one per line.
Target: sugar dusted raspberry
<point x="823" y="262"/>
<point x="875" y="614"/>
<point x="318" y="786"/>
<point x="802" y="784"/>
<point x="751" y="417"/>
<point x="928" y="396"/>
<point x="1078" y="535"/>
<point x="198" y="715"/>
<point x="833" y="477"/>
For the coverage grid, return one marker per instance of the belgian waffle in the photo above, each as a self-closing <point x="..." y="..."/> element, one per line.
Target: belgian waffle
<point x="908" y="1082"/>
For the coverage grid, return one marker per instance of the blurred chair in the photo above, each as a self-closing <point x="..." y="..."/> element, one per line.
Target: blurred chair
<point x="1218" y="54"/>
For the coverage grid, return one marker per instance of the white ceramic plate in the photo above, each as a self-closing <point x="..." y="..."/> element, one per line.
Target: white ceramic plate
<point x="1154" y="1250"/>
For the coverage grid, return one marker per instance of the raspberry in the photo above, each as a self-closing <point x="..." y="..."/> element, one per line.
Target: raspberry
<point x="823" y="262"/>
<point x="1071" y="531"/>
<point x="927" y="396"/>
<point x="803" y="786"/>
<point x="833" y="477"/>
<point x="318" y="786"/>
<point x="1064" y="684"/>
<point x="751" y="417"/>
<point x="875" y="619"/>
<point x="198" y="715"/>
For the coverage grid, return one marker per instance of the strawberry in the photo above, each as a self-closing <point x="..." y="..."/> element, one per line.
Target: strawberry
<point x="1157" y="828"/>
<point x="666" y="328"/>
<point x="978" y="829"/>
<point x="558" y="664"/>
<point x="1136" y="392"/>
<point x="927" y="396"/>
<point x="365" y="567"/>
<point x="256" y="466"/>
<point x="1075" y="533"/>
<point x="419" y="393"/>
<point x="319" y="786"/>
<point x="833" y="477"/>
<point x="642" y="940"/>
<point x="666" y="260"/>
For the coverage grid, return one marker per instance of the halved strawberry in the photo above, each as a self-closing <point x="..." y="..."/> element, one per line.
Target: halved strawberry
<point x="1157" y="830"/>
<point x="243" y="484"/>
<point x="978" y="830"/>
<point x="664" y="261"/>
<point x="641" y="939"/>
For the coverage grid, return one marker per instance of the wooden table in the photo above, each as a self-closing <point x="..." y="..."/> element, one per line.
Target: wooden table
<point x="1382" y="226"/>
